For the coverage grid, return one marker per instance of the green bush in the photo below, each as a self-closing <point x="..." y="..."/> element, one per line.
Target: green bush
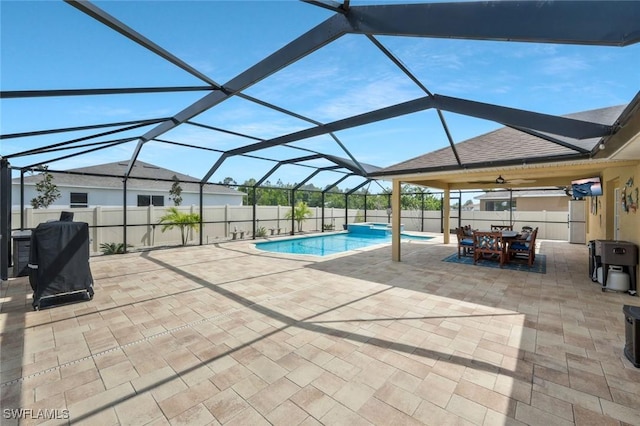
<point x="113" y="248"/>
<point x="261" y="232"/>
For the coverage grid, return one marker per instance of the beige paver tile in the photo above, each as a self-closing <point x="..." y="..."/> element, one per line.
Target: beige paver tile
<point x="138" y="410"/>
<point x="534" y="416"/>
<point x="467" y="409"/>
<point x="405" y="381"/>
<point x="248" y="417"/>
<point x="313" y="401"/>
<point x="117" y="374"/>
<point x="230" y="376"/>
<point x="186" y="399"/>
<point x="87" y="390"/>
<point x="99" y="407"/>
<point x="584" y="417"/>
<point x="266" y="369"/>
<point x="249" y="386"/>
<point x="399" y="398"/>
<point x="287" y="414"/>
<point x="514" y="388"/>
<point x="620" y="412"/>
<point x="194" y="416"/>
<point x="66" y="383"/>
<point x="551" y="405"/>
<point x="564" y="393"/>
<point x="407" y="364"/>
<point x="273" y="395"/>
<point x="340" y="415"/>
<point x="380" y="413"/>
<point x="225" y="405"/>
<point x="488" y="398"/>
<point x="495" y="418"/>
<point x="432" y="415"/>
<point x="375" y="374"/>
<point x="436" y="389"/>
<point x="341" y="368"/>
<point x="329" y="383"/>
<point x="305" y="373"/>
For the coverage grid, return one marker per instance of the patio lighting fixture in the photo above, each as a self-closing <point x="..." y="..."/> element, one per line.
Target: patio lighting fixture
<point x="500" y="180"/>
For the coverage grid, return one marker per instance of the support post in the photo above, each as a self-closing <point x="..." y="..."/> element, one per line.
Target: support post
<point x="446" y="219"/>
<point x="5" y="218"/>
<point x="124" y="213"/>
<point x="346" y="211"/>
<point x="201" y="212"/>
<point x="255" y="208"/>
<point x="293" y="212"/>
<point x="395" y="220"/>
<point x="22" y="199"/>
<point x="322" y="202"/>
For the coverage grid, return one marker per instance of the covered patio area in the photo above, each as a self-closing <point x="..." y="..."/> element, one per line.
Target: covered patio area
<point x="227" y="334"/>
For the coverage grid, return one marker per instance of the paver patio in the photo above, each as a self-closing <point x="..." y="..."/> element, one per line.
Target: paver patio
<point x="226" y="334"/>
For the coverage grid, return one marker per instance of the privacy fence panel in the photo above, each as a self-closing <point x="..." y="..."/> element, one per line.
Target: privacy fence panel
<point x="221" y="222"/>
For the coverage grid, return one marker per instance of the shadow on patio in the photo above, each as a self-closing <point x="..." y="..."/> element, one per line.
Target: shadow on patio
<point x="229" y="334"/>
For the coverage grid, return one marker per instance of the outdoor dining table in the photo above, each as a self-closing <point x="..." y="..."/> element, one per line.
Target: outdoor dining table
<point x="508" y="237"/>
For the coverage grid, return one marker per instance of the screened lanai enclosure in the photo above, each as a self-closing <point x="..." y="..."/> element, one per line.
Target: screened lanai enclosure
<point x="331" y="98"/>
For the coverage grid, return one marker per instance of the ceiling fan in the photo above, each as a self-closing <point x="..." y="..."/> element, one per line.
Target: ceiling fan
<point x="502" y="181"/>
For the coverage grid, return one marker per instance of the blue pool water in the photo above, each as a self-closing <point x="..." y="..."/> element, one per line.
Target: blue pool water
<point x="323" y="245"/>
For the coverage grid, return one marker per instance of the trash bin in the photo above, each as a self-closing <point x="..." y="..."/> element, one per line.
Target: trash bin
<point x="21" y="250"/>
<point x="632" y="334"/>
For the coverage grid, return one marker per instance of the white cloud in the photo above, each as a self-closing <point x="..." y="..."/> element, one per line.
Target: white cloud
<point x="563" y="66"/>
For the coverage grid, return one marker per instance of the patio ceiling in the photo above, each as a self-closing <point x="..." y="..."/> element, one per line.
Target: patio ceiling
<point x="594" y="23"/>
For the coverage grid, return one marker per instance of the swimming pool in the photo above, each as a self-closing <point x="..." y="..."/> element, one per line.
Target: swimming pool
<point x="323" y="245"/>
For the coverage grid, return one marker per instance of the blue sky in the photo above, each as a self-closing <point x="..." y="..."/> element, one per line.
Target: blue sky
<point x="51" y="45"/>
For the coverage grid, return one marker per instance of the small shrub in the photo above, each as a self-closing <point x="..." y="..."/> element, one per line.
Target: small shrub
<point x="327" y="227"/>
<point x="261" y="232"/>
<point x="113" y="248"/>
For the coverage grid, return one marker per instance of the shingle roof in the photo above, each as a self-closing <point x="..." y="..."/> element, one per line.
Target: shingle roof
<point x="506" y="144"/>
<point x="140" y="170"/>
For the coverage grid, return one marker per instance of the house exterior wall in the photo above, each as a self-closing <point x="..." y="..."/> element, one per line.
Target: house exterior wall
<point x="110" y="197"/>
<point x="601" y="218"/>
<point x="551" y="204"/>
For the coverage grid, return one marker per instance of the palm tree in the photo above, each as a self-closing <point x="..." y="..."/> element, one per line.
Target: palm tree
<point x="300" y="213"/>
<point x="184" y="221"/>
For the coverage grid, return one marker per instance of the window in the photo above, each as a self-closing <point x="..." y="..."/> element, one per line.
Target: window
<point x="79" y="199"/>
<point x="146" y="200"/>
<point x="498" y="206"/>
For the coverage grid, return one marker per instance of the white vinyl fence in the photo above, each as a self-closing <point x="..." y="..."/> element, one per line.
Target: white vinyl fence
<point x="221" y="222"/>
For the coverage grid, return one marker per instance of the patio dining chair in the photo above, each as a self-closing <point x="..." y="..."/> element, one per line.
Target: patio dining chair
<point x="465" y="241"/>
<point x="489" y="246"/>
<point x="524" y="249"/>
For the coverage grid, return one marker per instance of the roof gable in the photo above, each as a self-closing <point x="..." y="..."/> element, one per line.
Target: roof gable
<point x="110" y="175"/>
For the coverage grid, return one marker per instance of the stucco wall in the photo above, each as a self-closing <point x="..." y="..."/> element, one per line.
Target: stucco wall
<point x="551" y="204"/>
<point x="525" y="204"/>
<point x="601" y="222"/>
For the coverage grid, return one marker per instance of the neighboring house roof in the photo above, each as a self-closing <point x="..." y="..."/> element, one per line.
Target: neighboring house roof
<point x="109" y="175"/>
<point x="502" y="195"/>
<point x="506" y="145"/>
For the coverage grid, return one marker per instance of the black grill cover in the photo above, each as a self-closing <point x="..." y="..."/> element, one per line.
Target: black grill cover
<point x="59" y="260"/>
